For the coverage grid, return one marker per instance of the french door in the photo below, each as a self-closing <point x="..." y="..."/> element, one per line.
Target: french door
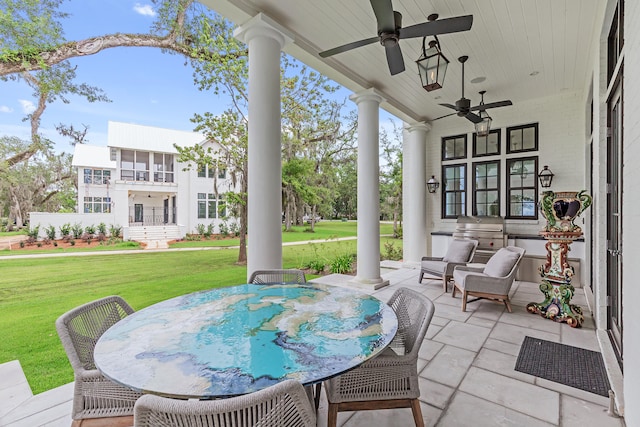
<point x="614" y="220"/>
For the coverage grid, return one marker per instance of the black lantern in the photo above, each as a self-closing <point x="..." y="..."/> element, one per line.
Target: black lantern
<point x="432" y="184"/>
<point x="432" y="66"/>
<point x="545" y="176"/>
<point x="483" y="127"/>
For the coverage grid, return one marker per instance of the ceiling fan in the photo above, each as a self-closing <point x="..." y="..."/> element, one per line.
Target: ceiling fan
<point x="463" y="105"/>
<point x="390" y="32"/>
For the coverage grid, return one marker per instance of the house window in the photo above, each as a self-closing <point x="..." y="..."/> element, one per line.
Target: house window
<point x="97" y="205"/>
<point x="522" y="188"/>
<point x="222" y="174"/>
<point x="522" y="138"/>
<point x="162" y="167"/>
<point x="486" y="188"/>
<point x="454" y="147"/>
<point x="488" y="145"/>
<point x="211" y="207"/>
<point x="206" y="171"/>
<point x="134" y="165"/>
<point x="454" y="192"/>
<point x="97" y="176"/>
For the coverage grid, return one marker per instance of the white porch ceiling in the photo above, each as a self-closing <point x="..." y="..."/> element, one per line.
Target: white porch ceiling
<point x="509" y="40"/>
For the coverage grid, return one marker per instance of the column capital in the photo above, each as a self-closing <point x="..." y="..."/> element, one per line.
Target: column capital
<point x="419" y="126"/>
<point x="263" y="26"/>
<point x="370" y="94"/>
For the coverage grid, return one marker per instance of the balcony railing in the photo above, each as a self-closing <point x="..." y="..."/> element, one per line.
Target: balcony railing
<point x="146" y="216"/>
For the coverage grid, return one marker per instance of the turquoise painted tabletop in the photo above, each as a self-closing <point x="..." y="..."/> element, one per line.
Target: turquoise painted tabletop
<point x="237" y="340"/>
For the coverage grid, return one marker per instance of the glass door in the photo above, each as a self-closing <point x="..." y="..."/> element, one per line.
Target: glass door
<point x="138" y="214"/>
<point x="614" y="221"/>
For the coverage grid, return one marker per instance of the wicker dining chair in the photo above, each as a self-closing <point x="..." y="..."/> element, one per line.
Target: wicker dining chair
<point x="390" y="380"/>
<point x="285" y="404"/>
<point x="279" y="277"/>
<point x="94" y="395"/>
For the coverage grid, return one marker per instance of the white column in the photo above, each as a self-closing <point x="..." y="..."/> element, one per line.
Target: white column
<point x="414" y="189"/>
<point x="265" y="39"/>
<point x="368" y="273"/>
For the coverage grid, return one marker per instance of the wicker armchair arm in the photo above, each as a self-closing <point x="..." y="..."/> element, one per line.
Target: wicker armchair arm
<point x="464" y="267"/>
<point x="431" y="258"/>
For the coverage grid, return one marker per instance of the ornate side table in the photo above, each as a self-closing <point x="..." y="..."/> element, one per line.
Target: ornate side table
<point x="560" y="210"/>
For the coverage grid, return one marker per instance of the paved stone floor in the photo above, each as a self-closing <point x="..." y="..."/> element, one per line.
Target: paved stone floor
<point x="466" y="367"/>
<point x="467" y="360"/>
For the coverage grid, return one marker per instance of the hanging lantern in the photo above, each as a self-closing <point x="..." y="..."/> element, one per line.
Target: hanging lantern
<point x="432" y="66"/>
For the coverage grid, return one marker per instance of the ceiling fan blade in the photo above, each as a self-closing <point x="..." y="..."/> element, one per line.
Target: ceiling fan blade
<point x="473" y="117"/>
<point x="442" y="117"/>
<point x="441" y="26"/>
<point x="394" y="59"/>
<point x="483" y="107"/>
<point x="348" y="46"/>
<point x="384" y="15"/>
<point x="450" y="106"/>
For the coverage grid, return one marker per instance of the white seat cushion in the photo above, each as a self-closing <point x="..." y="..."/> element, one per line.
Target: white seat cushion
<point x="460" y="275"/>
<point x="435" y="267"/>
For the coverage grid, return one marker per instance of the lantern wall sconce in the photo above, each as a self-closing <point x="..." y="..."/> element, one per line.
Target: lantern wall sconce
<point x="432" y="65"/>
<point x="432" y="184"/>
<point x="545" y="176"/>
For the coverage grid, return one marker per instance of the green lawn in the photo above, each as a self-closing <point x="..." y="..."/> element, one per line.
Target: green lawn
<point x="35" y="291"/>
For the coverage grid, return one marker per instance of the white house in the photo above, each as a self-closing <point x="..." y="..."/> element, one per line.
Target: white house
<point x="137" y="183"/>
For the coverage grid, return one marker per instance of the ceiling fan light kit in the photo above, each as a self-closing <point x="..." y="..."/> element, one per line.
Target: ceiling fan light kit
<point x="432" y="66"/>
<point x="463" y="108"/>
<point x="484" y="127"/>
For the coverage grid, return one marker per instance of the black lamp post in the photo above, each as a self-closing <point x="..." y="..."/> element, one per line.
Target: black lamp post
<point x="432" y="65"/>
<point x="432" y="184"/>
<point x="545" y="176"/>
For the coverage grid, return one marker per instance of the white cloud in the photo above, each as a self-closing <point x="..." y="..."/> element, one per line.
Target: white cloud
<point x="144" y="9"/>
<point x="28" y="107"/>
<point x="5" y="109"/>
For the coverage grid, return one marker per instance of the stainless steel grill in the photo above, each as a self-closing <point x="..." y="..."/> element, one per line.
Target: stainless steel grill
<point x="489" y="231"/>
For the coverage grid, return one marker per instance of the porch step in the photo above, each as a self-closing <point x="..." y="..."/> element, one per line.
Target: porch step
<point x="154" y="233"/>
<point x="20" y="408"/>
<point x="14" y="388"/>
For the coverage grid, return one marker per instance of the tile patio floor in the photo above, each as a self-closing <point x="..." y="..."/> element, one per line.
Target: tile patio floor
<point x="466" y="366"/>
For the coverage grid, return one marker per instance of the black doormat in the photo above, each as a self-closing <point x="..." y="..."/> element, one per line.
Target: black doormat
<point x="564" y="364"/>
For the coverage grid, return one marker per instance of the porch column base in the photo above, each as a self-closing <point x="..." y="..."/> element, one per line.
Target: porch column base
<point x="368" y="284"/>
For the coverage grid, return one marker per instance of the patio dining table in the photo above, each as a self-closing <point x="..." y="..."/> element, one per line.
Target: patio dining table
<point x="240" y="339"/>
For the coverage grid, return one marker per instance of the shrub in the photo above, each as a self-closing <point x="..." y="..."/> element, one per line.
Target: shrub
<point x="201" y="229"/>
<point x="316" y="266"/>
<point x="234" y="229"/>
<point x="46" y="241"/>
<point x="22" y="243"/>
<point x="50" y="231"/>
<point x="115" y="230"/>
<point x="90" y="230"/>
<point x="209" y="231"/>
<point x="65" y="230"/>
<point x="102" y="228"/>
<point x="224" y="228"/>
<point x="391" y="252"/>
<point x="341" y="264"/>
<point x="77" y="230"/>
<point x="72" y="242"/>
<point x="33" y="232"/>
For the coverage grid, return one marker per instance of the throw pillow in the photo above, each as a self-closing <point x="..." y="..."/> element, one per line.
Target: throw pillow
<point x="501" y="263"/>
<point x="459" y="251"/>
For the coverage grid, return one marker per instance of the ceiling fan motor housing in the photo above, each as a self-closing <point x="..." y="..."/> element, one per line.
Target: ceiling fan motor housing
<point x="463" y="105"/>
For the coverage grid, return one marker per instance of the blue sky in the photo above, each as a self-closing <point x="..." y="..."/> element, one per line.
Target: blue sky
<point x="146" y="86"/>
